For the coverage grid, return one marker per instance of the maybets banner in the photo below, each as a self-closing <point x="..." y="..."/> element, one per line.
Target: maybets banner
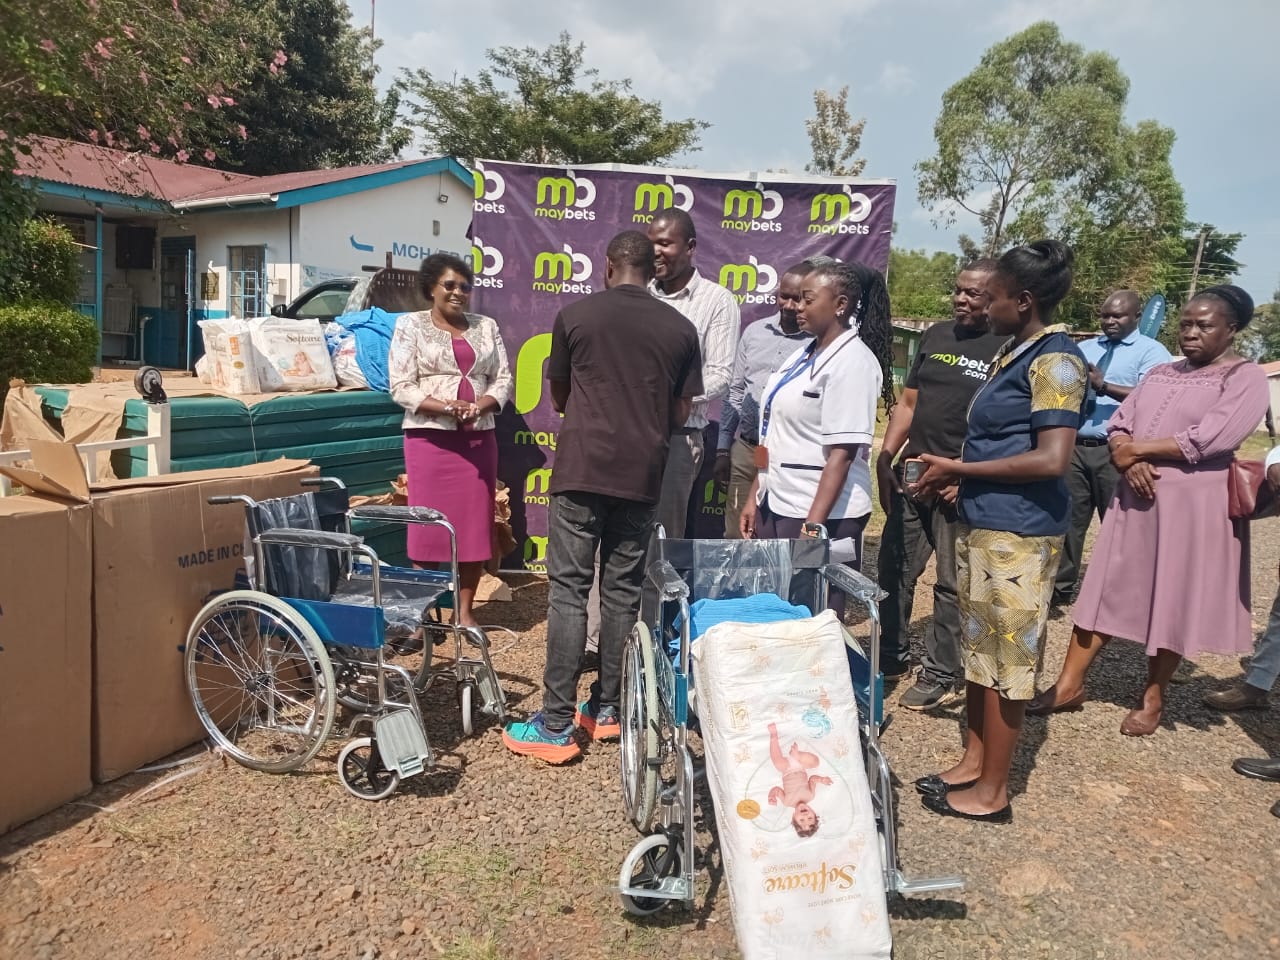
<point x="539" y="236"/>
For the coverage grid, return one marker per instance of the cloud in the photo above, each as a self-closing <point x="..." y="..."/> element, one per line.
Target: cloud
<point x="678" y="53"/>
<point x="1020" y="14"/>
<point x="896" y="78"/>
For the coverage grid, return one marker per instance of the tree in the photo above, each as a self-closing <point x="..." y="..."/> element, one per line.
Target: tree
<point x="314" y="104"/>
<point x="1262" y="337"/>
<point x="1218" y="263"/>
<point x="1033" y="143"/>
<point x="834" y="137"/>
<point x="132" y="74"/>
<point x="920" y="283"/>
<point x="554" y="112"/>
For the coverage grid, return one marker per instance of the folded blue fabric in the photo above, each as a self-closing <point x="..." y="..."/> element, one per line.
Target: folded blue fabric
<point x="761" y="608"/>
<point x="372" y="329"/>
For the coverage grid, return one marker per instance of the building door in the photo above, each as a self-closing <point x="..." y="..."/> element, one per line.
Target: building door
<point x="177" y="293"/>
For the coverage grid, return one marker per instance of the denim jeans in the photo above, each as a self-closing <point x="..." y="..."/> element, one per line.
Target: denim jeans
<point x="578" y="525"/>
<point x="1264" y="667"/>
<point x="912" y="532"/>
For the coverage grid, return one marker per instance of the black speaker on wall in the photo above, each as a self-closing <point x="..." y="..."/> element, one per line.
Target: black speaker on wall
<point x="135" y="247"/>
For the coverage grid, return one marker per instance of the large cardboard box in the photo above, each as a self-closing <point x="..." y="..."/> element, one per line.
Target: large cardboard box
<point x="160" y="551"/>
<point x="45" y="664"/>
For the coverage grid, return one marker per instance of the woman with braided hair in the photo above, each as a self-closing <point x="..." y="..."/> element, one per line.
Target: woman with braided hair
<point x="1170" y="569"/>
<point x="818" y="415"/>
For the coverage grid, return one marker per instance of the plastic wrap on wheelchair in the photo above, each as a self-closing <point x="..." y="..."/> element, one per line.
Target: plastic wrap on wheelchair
<point x="795" y="570"/>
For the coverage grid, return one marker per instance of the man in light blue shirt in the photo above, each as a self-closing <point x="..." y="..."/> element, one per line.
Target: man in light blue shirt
<point x="763" y="347"/>
<point x="1118" y="358"/>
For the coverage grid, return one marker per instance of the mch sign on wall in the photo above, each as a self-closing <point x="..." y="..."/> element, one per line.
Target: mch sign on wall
<point x="539" y="235"/>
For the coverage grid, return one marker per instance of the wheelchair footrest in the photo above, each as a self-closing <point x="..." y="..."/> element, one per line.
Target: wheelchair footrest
<point x="402" y="743"/>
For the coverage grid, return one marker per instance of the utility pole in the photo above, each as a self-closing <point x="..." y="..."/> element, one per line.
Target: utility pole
<point x="1195" y="268"/>
<point x="373" y="39"/>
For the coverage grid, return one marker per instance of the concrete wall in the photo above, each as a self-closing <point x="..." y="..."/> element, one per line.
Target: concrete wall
<point x="407" y="220"/>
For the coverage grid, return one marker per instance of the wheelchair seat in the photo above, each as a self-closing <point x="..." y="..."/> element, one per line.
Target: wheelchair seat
<point x="406" y="593"/>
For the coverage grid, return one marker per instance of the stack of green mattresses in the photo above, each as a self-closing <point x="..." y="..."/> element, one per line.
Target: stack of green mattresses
<point x="352" y="435"/>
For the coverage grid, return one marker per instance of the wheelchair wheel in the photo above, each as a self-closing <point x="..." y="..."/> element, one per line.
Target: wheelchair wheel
<point x="361" y="771"/>
<point x="650" y="861"/>
<point x="639" y="747"/>
<point x="466" y="703"/>
<point x="260" y="680"/>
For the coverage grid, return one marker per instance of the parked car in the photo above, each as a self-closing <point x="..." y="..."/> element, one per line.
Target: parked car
<point x="326" y="300"/>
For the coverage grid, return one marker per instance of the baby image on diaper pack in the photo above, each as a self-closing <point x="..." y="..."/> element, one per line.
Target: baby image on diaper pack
<point x="798" y="785"/>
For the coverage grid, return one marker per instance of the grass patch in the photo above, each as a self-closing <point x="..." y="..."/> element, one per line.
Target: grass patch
<point x="469" y="948"/>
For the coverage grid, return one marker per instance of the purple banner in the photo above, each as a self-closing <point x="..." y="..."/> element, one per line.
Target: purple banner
<point x="539" y="236"/>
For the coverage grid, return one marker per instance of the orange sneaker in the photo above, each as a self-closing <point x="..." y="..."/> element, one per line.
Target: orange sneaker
<point x="531" y="738"/>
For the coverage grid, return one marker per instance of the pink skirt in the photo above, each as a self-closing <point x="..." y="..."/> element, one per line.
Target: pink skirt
<point x="455" y="472"/>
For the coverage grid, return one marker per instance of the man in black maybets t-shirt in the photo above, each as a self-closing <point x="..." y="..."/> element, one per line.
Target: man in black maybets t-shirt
<point x="931" y="417"/>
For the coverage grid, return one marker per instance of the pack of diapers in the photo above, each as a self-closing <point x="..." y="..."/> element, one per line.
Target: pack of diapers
<point x="230" y="364"/>
<point x="793" y="810"/>
<point x="291" y="355"/>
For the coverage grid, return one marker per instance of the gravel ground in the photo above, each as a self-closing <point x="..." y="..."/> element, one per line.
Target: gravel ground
<point x="1120" y="848"/>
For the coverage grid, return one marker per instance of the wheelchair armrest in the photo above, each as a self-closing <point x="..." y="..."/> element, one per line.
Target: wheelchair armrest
<point x="853" y="583"/>
<point x="286" y="537"/>
<point x="669" y="583"/>
<point x="398" y="514"/>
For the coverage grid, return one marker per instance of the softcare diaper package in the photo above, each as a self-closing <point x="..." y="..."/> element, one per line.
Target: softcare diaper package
<point x="291" y="355"/>
<point x="229" y="362"/>
<point x="793" y="810"/>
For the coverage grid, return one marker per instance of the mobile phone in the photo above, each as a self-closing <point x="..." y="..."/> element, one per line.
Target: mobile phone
<point x="912" y="470"/>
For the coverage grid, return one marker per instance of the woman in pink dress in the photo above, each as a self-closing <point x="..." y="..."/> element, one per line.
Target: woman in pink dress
<point x="1170" y="569"/>
<point x="448" y="369"/>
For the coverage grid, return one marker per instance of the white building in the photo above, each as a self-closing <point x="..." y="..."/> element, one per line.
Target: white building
<point x="167" y="244"/>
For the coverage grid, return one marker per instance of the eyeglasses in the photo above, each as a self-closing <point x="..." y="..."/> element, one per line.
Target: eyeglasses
<point x="452" y="285"/>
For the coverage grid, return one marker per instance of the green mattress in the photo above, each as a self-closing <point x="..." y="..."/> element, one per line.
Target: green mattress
<point x="352" y="435"/>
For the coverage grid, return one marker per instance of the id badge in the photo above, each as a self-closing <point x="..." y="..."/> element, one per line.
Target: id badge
<point x="762" y="457"/>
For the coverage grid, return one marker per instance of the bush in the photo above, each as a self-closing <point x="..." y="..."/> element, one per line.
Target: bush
<point x="46" y="343"/>
<point x="43" y="265"/>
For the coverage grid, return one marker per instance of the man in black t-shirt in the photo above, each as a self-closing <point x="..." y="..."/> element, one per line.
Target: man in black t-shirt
<point x="624" y="368"/>
<point x="931" y="417"/>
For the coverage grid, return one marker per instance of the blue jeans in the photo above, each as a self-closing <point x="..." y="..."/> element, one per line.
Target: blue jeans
<point x="578" y="525"/>
<point x="1264" y="668"/>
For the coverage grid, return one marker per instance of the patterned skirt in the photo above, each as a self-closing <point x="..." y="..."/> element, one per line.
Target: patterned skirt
<point x="1003" y="585"/>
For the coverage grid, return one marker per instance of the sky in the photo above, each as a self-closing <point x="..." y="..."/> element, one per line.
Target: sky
<point x="749" y="68"/>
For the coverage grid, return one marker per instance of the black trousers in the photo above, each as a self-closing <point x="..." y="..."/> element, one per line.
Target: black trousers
<point x="1091" y="482"/>
<point x="912" y="532"/>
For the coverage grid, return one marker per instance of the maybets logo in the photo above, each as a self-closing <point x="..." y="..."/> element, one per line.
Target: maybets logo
<point x="748" y="210"/>
<point x="840" y="212"/>
<point x="535" y="553"/>
<point x="562" y="272"/>
<point x="714" y="499"/>
<point x="652" y="197"/>
<point x="972" y="368"/>
<point x="487" y="263"/>
<point x="536" y="485"/>
<point x="750" y="282"/>
<point x="565" y="198"/>
<point x="490" y="186"/>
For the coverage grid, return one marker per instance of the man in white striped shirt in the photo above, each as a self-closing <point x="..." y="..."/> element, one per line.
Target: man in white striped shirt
<point x="714" y="313"/>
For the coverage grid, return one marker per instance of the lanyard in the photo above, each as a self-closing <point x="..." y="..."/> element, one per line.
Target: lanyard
<point x="791" y="373"/>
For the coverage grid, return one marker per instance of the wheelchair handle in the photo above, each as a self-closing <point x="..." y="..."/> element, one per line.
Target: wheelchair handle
<point x="323" y="482"/>
<point x="232" y="498"/>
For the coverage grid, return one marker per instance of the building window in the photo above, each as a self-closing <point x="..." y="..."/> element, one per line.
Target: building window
<point x="247" y="281"/>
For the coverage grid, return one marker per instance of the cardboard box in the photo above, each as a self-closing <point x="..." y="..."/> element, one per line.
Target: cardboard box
<point x="45" y="663"/>
<point x="160" y="551"/>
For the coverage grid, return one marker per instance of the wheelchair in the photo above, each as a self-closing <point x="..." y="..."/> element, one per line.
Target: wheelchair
<point x="268" y="666"/>
<point x="658" y="763"/>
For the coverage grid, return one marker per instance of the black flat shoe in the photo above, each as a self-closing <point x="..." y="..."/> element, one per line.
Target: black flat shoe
<point x="934" y="786"/>
<point x="941" y="806"/>
<point x="1268" y="769"/>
